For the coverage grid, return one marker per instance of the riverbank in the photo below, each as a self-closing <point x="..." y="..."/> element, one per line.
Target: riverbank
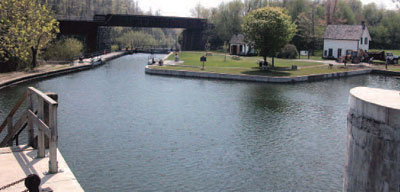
<point x="256" y="78"/>
<point x="246" y="69"/>
<point x="52" y="70"/>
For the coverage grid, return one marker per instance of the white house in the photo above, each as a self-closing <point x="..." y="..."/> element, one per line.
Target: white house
<point x="339" y="39"/>
<point x="237" y="46"/>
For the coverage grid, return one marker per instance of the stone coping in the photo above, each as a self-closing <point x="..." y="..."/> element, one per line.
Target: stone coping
<point x="57" y="72"/>
<point x="256" y="78"/>
<point x="380" y="97"/>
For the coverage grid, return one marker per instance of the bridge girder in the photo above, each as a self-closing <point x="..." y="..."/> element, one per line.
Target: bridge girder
<point x="193" y="35"/>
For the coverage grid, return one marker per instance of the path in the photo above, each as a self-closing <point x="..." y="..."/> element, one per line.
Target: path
<point x="20" y="161"/>
<point x="11" y="77"/>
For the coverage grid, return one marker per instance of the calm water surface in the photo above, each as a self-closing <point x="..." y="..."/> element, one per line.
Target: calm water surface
<point x="122" y="130"/>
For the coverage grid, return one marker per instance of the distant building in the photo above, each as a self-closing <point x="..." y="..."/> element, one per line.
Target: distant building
<point x="237" y="46"/>
<point x="339" y="39"/>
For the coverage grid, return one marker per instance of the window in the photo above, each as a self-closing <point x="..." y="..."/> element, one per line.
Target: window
<point x="366" y="41"/>
<point x="339" y="53"/>
<point x="325" y="53"/>
<point x="361" y="41"/>
<point x="330" y="52"/>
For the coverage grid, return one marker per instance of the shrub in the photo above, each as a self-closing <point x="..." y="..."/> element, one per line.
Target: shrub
<point x="288" y="52"/>
<point x="12" y="64"/>
<point x="115" y="48"/>
<point x="64" y="49"/>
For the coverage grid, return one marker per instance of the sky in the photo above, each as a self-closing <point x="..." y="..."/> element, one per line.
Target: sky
<point x="182" y="8"/>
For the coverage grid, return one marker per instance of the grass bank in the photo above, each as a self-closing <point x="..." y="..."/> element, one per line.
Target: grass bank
<point x="249" y="66"/>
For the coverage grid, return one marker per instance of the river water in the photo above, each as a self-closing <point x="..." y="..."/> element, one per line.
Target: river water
<point x="123" y="130"/>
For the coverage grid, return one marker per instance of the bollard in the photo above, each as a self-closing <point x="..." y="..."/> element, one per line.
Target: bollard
<point x="373" y="141"/>
<point x="32" y="183"/>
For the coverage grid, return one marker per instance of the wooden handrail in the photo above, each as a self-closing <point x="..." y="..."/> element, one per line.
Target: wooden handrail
<point x="46" y="98"/>
<point x="39" y="123"/>
<point x="12" y="112"/>
<point x="20" y="123"/>
<point x="45" y="121"/>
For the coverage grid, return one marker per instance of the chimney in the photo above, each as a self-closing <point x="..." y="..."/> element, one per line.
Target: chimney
<point x="363" y="25"/>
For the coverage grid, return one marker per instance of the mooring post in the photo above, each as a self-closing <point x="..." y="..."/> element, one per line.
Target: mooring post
<point x="373" y="140"/>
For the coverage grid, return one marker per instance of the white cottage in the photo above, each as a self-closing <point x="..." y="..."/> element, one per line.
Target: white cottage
<point x="237" y="46"/>
<point x="340" y="39"/>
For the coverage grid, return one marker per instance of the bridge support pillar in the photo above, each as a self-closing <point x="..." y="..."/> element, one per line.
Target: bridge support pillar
<point x="91" y="40"/>
<point x="103" y="38"/>
<point x="193" y="40"/>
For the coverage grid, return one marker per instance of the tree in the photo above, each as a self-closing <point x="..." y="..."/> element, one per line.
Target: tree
<point x="225" y="49"/>
<point x="270" y="29"/>
<point x="227" y="19"/>
<point x="26" y="26"/>
<point x="200" y="12"/>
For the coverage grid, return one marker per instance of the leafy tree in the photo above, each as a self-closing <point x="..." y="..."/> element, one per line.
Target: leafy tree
<point x="26" y="26"/>
<point x="227" y="19"/>
<point x="225" y="47"/>
<point x="344" y="14"/>
<point x="270" y="29"/>
<point x="200" y="12"/>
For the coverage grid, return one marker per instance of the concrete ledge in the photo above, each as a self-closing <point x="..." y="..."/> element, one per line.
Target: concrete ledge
<point x="20" y="161"/>
<point x="54" y="73"/>
<point x="256" y="78"/>
<point x="385" y="72"/>
<point x="373" y="143"/>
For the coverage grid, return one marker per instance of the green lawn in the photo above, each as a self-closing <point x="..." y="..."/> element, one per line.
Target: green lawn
<point x="217" y="60"/>
<point x="248" y="65"/>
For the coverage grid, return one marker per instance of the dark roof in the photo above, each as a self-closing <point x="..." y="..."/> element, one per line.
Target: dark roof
<point x="237" y="39"/>
<point x="343" y="32"/>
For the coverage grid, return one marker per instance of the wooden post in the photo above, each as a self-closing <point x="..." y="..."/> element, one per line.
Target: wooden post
<point x="10" y="129"/>
<point x="31" y="133"/>
<point x="53" y="144"/>
<point x="40" y="143"/>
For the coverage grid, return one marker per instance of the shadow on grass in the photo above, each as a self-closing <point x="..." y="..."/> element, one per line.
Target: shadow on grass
<point x="276" y="72"/>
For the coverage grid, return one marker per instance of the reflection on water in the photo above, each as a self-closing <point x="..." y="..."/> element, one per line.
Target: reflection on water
<point x="122" y="130"/>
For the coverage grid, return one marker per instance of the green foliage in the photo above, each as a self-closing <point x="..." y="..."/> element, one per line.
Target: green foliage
<point x="227" y="19"/>
<point x="115" y="48"/>
<point x="288" y="52"/>
<point x="134" y="39"/>
<point x="64" y="49"/>
<point x="345" y="14"/>
<point x="26" y="26"/>
<point x="269" y="28"/>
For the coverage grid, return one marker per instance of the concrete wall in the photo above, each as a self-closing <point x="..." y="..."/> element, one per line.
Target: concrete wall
<point x="373" y="141"/>
<point x="255" y="78"/>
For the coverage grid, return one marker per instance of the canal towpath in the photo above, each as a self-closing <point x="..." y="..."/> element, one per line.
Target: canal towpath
<point x="48" y="70"/>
